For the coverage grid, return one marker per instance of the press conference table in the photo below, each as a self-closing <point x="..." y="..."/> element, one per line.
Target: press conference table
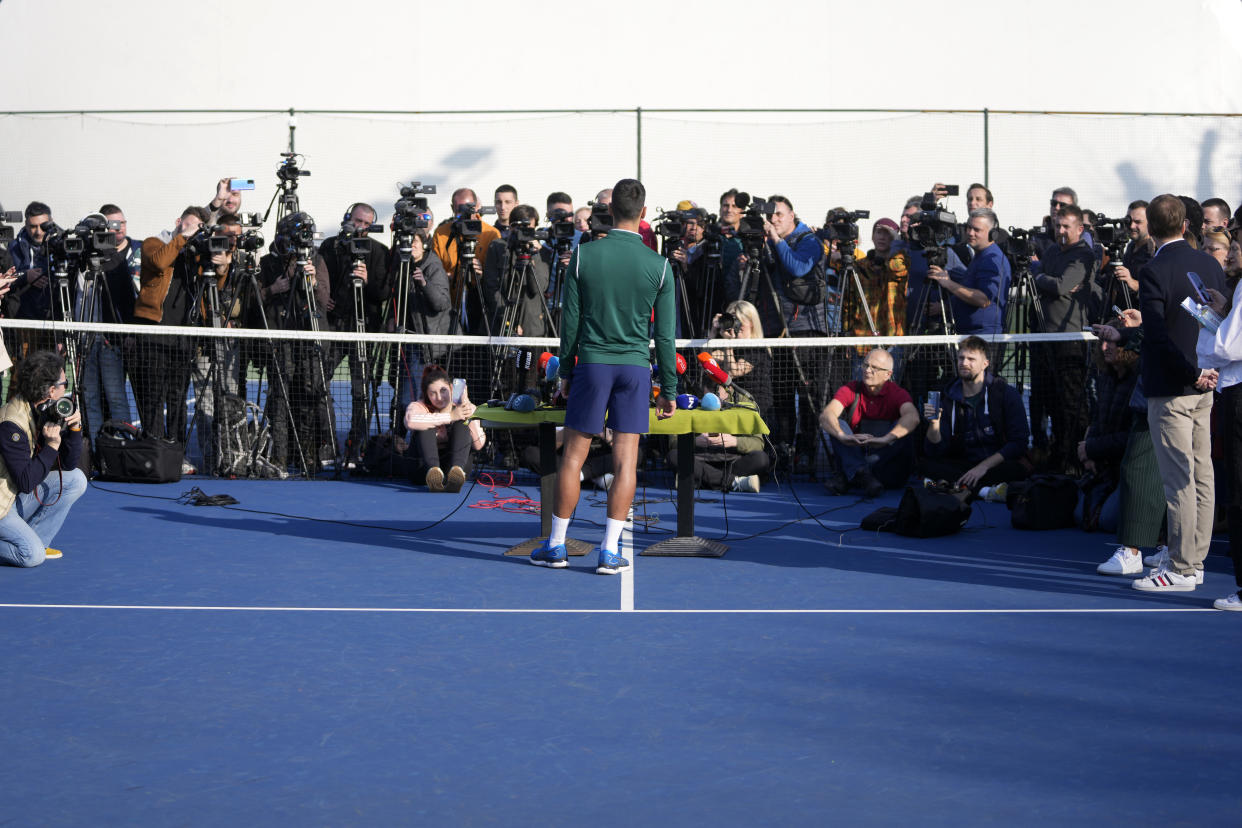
<point x="685" y="424"/>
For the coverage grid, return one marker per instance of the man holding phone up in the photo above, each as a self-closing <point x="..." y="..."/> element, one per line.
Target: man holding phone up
<point x="611" y="287"/>
<point x="228" y="198"/>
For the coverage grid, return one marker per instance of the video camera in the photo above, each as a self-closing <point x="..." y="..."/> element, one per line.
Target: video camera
<point x="465" y="225"/>
<point x="411" y="213"/>
<point x="757" y="211"/>
<point x="932" y="230"/>
<point x="295" y="236"/>
<point x="1019" y="247"/>
<point x="92" y="236"/>
<point x="7" y="233"/>
<point x="841" y="225"/>
<point x="288" y="171"/>
<point x="251" y="240"/>
<point x="561" y="229"/>
<point x="601" y="220"/>
<point x="523" y="232"/>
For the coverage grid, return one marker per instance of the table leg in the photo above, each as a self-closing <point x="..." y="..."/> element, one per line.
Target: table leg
<point x="686" y="544"/>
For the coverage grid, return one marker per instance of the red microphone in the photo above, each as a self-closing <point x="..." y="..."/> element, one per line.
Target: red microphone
<point x="681" y="365"/>
<point x="543" y="361"/>
<point x="713" y="368"/>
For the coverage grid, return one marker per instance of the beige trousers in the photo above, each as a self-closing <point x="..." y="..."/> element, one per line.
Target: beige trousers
<point x="1181" y="433"/>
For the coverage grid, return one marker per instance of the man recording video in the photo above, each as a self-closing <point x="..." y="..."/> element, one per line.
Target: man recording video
<point x="40" y="445"/>
<point x="1059" y="369"/>
<point x="448" y="243"/>
<point x="358" y="286"/>
<point x="168" y="289"/>
<point x="978" y="297"/>
<point x="515" y="277"/>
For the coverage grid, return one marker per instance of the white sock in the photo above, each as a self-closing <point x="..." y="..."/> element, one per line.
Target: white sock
<point x="560" y="526"/>
<point x="612" y="534"/>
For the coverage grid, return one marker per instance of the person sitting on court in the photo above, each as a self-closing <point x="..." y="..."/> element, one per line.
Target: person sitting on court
<point x="442" y="434"/>
<point x="985" y="437"/>
<point x="39" y="452"/>
<point x="869" y="422"/>
<point x="734" y="462"/>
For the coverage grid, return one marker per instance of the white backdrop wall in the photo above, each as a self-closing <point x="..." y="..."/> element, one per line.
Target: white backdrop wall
<point x="69" y="55"/>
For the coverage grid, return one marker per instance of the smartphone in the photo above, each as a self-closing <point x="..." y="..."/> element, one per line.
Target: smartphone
<point x="459" y="390"/>
<point x="1116" y="310"/>
<point x="951" y="189"/>
<point x="241" y="183"/>
<point x="1197" y="288"/>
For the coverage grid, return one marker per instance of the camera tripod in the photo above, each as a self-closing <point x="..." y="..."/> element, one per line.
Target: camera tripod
<point x="847" y="277"/>
<point x="520" y="285"/>
<point x="1024" y="313"/>
<point x="937" y="371"/>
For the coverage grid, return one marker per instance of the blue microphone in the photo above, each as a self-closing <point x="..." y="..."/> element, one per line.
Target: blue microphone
<point x="554" y="365"/>
<point x="710" y="402"/>
<point x="687" y="401"/>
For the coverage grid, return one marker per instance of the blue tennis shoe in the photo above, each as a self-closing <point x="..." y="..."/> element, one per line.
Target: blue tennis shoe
<point x="610" y="563"/>
<point x="556" y="557"/>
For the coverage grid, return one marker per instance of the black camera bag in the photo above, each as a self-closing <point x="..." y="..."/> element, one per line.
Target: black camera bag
<point x="930" y="512"/>
<point x="123" y="454"/>
<point x="1042" y="501"/>
<point x="810" y="289"/>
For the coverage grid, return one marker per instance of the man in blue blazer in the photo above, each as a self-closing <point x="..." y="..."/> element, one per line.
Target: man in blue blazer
<point x="1179" y="398"/>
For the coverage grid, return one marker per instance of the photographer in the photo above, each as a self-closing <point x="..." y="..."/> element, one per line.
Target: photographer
<point x="430" y="308"/>
<point x="870" y="422"/>
<point x="102" y="371"/>
<point x="513" y="289"/>
<point x="39" y="452"/>
<point x="1138" y="252"/>
<point x="978" y="297"/>
<point x="352" y="255"/>
<point x="31" y="296"/>
<point x="442" y="433"/>
<point x="447" y="247"/>
<point x="883" y="281"/>
<point x="734" y="462"/>
<point x="167" y="289"/>
<point x="295" y="290"/>
<point x="791" y="250"/>
<point x="1059" y="369"/>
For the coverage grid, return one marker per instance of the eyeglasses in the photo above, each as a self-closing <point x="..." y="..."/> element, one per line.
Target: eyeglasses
<point x="61" y="384"/>
<point x="867" y="366"/>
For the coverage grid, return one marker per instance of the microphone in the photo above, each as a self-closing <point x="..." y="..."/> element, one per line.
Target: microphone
<point x="710" y="402"/>
<point x="681" y="365"/>
<point x="687" y="401"/>
<point x="713" y="368"/>
<point x="543" y="360"/>
<point x="551" y="367"/>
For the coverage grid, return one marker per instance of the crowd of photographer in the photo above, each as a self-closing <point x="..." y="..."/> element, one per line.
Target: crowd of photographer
<point x="875" y="416"/>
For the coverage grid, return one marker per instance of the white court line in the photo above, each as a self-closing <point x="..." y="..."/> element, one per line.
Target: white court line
<point x="627" y="575"/>
<point x="500" y="611"/>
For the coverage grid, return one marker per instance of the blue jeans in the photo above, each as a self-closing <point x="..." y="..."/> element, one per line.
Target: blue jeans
<point x="104" y="368"/>
<point x="29" y="527"/>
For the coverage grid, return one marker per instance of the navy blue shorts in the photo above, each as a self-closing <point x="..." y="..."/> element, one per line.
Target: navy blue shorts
<point x="623" y="391"/>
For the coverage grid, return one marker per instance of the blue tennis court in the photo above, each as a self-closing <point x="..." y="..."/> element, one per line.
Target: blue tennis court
<point x="355" y="653"/>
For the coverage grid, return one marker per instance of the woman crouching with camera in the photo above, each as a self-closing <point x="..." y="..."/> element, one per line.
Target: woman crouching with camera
<point x="40" y="445"/>
<point x="733" y="462"/>
<point x="442" y="434"/>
